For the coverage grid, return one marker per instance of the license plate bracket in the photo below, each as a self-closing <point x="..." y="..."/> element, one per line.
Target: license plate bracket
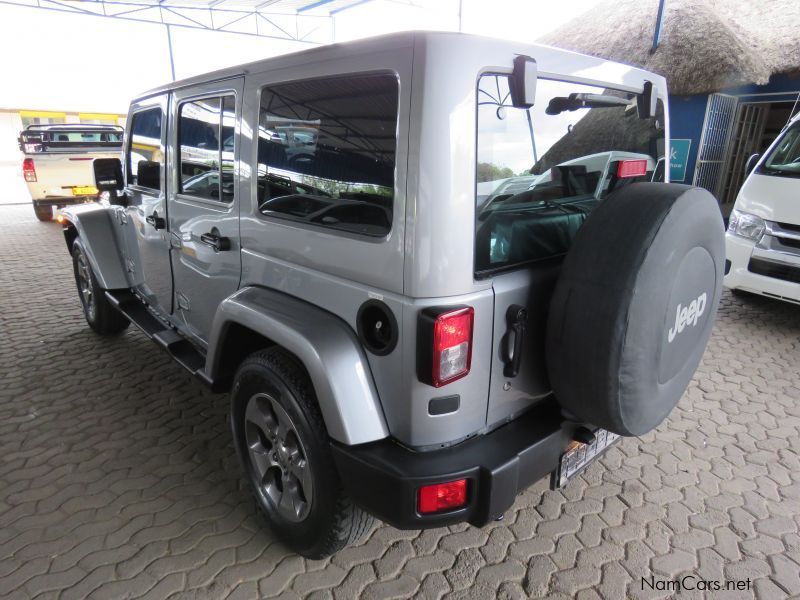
<point x="578" y="456"/>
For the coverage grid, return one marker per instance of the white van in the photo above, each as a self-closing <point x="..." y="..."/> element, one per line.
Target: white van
<point x="763" y="238"/>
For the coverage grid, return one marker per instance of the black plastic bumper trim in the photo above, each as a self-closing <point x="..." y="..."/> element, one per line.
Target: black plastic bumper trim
<point x="383" y="477"/>
<point x="776" y="270"/>
<point x="64" y="201"/>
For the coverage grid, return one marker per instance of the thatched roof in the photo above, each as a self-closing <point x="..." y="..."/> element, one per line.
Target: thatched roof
<point x="706" y="45"/>
<point x="601" y="130"/>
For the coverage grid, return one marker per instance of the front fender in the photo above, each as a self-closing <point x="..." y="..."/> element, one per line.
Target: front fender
<point x="327" y="347"/>
<point x="94" y="224"/>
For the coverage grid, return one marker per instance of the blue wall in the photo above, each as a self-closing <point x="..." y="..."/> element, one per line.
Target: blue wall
<point x="686" y="113"/>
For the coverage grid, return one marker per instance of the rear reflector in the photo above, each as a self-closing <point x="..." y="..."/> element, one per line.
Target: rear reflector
<point x="441" y="497"/>
<point x="29" y="170"/>
<point x="632" y="168"/>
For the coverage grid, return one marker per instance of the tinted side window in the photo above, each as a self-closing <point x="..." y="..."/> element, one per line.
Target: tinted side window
<point x="326" y="152"/>
<point x="206" y="141"/>
<point x="145" y="159"/>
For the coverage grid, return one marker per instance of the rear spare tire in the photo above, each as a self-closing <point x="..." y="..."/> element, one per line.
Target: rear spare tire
<point x="634" y="305"/>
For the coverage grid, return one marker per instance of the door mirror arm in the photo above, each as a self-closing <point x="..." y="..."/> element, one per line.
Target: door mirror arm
<point x="751" y="164"/>
<point x="115" y="198"/>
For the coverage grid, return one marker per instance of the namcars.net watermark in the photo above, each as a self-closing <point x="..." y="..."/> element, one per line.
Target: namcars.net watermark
<point x="690" y="583"/>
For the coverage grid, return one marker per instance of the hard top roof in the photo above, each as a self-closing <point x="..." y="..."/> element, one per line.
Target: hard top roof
<point x="556" y="57"/>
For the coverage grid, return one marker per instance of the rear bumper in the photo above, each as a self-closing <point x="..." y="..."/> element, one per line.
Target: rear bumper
<point x="63" y="200"/>
<point x="383" y="477"/>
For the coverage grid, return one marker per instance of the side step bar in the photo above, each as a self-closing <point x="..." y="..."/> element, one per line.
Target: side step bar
<point x="181" y="349"/>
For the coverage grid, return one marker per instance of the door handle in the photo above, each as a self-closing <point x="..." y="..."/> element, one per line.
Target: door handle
<point x="156" y="221"/>
<point x="517" y="319"/>
<point x="216" y="241"/>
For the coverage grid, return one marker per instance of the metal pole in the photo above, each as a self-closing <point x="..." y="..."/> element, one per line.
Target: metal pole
<point x="659" y="25"/>
<point x="533" y="138"/>
<point x="460" y="8"/>
<point x="171" y="59"/>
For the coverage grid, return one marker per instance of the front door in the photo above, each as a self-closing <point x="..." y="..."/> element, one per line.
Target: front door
<point x="204" y="201"/>
<point x="146" y="238"/>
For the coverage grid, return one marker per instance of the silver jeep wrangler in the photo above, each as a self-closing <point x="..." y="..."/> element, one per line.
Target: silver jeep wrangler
<point x="429" y="268"/>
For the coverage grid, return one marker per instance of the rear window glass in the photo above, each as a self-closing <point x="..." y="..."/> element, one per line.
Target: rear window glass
<point x="326" y="152"/>
<point x="86" y="137"/>
<point x="539" y="175"/>
<point x="42" y="140"/>
<point x="145" y="159"/>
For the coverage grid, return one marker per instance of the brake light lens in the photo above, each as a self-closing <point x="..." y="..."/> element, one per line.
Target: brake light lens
<point x="441" y="497"/>
<point x="29" y="170"/>
<point x="452" y="345"/>
<point x="631" y="168"/>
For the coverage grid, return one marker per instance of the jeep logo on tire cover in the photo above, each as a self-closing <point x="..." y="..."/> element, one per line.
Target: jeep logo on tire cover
<point x="686" y="312"/>
<point x="686" y="316"/>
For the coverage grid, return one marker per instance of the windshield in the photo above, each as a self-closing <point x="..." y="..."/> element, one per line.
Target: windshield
<point x="784" y="159"/>
<point x="540" y="171"/>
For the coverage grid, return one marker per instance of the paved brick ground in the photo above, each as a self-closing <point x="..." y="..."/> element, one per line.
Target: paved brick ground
<point x="117" y="478"/>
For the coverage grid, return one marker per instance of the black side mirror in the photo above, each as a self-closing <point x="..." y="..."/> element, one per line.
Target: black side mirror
<point x="522" y="84"/>
<point x="751" y="163"/>
<point x="108" y="175"/>
<point x="148" y="174"/>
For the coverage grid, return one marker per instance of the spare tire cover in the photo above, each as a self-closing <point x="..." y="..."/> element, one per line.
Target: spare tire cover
<point x="634" y="305"/>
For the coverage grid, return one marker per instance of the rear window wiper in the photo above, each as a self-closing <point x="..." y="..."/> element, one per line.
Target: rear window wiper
<point x="572" y="102"/>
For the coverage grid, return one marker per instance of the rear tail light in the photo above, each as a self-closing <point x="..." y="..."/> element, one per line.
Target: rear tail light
<point x="632" y="168"/>
<point x="29" y="170"/>
<point x="444" y="341"/>
<point x="441" y="497"/>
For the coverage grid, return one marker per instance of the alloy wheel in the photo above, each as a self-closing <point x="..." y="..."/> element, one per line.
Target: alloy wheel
<point x="278" y="460"/>
<point x="84" y="277"/>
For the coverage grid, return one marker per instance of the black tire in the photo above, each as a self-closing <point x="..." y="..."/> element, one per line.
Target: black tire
<point x="99" y="312"/>
<point x="43" y="213"/>
<point x="634" y="305"/>
<point x="328" y="520"/>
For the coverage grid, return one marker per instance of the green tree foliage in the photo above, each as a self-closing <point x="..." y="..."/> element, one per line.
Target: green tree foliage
<point x="490" y="172"/>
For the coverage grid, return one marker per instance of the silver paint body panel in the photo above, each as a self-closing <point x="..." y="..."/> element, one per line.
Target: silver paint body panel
<point x="326" y="346"/>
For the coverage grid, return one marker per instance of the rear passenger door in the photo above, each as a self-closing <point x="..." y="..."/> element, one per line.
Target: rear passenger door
<point x="204" y="201"/>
